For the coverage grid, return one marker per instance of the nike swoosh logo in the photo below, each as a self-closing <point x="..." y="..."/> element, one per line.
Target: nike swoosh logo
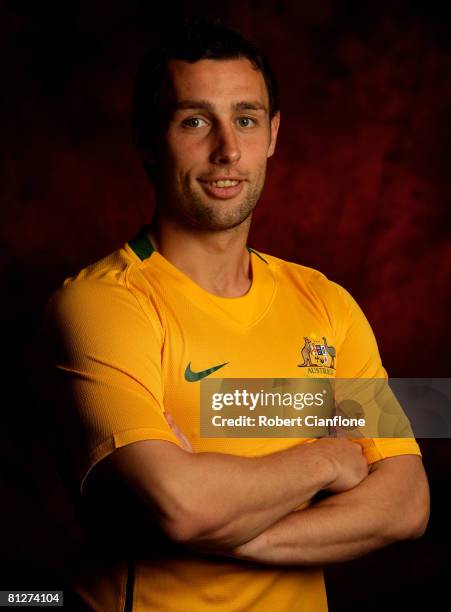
<point x="191" y="376"/>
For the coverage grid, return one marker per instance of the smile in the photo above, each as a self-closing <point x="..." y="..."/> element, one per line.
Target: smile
<point x="222" y="189"/>
<point x="224" y="183"/>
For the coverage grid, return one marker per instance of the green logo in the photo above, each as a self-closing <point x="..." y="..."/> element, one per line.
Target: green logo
<point x="191" y="376"/>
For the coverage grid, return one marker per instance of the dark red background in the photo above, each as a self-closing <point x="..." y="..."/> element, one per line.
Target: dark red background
<point x="359" y="188"/>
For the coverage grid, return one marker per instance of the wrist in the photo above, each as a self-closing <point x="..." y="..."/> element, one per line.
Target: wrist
<point x="322" y="464"/>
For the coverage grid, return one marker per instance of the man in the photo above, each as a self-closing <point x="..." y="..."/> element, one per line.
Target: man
<point x="186" y="300"/>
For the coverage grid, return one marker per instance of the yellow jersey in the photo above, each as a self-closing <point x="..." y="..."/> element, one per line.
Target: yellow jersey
<point x="130" y="335"/>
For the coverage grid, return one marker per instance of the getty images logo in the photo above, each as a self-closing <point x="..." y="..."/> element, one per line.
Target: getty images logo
<point x="252" y="400"/>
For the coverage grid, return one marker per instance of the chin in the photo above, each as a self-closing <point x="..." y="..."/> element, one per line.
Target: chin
<point x="224" y="224"/>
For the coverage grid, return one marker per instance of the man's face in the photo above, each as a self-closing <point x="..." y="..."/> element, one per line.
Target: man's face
<point x="216" y="142"/>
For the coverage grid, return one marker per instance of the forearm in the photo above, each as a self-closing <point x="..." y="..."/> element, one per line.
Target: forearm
<point x="240" y="497"/>
<point x="320" y="535"/>
<point x="219" y="501"/>
<point x="389" y="505"/>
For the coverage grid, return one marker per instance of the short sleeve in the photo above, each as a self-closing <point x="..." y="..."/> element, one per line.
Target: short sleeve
<point x="105" y="357"/>
<point x="358" y="357"/>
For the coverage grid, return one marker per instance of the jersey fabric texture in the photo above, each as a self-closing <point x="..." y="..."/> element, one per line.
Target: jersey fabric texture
<point x="129" y="332"/>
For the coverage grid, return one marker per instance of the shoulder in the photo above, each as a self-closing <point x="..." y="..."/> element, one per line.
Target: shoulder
<point x="310" y="281"/>
<point x="95" y="282"/>
<point x="350" y="332"/>
<point x="107" y="293"/>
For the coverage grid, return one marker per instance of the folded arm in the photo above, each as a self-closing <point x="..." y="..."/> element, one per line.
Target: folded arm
<point x="391" y="504"/>
<point x="218" y="501"/>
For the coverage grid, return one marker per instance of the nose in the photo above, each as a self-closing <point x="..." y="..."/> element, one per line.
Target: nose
<point x="226" y="149"/>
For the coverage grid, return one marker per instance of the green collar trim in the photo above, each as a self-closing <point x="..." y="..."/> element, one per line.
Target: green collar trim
<point x="141" y="244"/>
<point x="251" y="250"/>
<point x="143" y="248"/>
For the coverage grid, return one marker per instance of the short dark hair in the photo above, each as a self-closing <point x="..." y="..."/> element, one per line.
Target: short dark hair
<point x="193" y="40"/>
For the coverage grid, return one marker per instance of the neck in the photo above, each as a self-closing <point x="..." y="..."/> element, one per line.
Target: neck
<point x="218" y="261"/>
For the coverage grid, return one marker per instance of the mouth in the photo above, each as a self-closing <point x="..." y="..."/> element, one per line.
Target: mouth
<point x="222" y="189"/>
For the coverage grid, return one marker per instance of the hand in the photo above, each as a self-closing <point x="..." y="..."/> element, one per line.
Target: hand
<point x="180" y="435"/>
<point x="349" y="463"/>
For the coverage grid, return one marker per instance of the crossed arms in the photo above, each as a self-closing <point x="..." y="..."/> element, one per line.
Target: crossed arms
<point x="248" y="508"/>
<point x="391" y="504"/>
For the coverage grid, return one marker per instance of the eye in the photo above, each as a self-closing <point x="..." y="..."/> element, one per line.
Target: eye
<point x="246" y="122"/>
<point x="194" y="122"/>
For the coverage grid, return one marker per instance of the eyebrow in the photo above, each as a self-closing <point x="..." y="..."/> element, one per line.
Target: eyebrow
<point x="206" y="105"/>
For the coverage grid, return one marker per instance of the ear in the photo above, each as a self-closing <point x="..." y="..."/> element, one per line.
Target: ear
<point x="275" y="123"/>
